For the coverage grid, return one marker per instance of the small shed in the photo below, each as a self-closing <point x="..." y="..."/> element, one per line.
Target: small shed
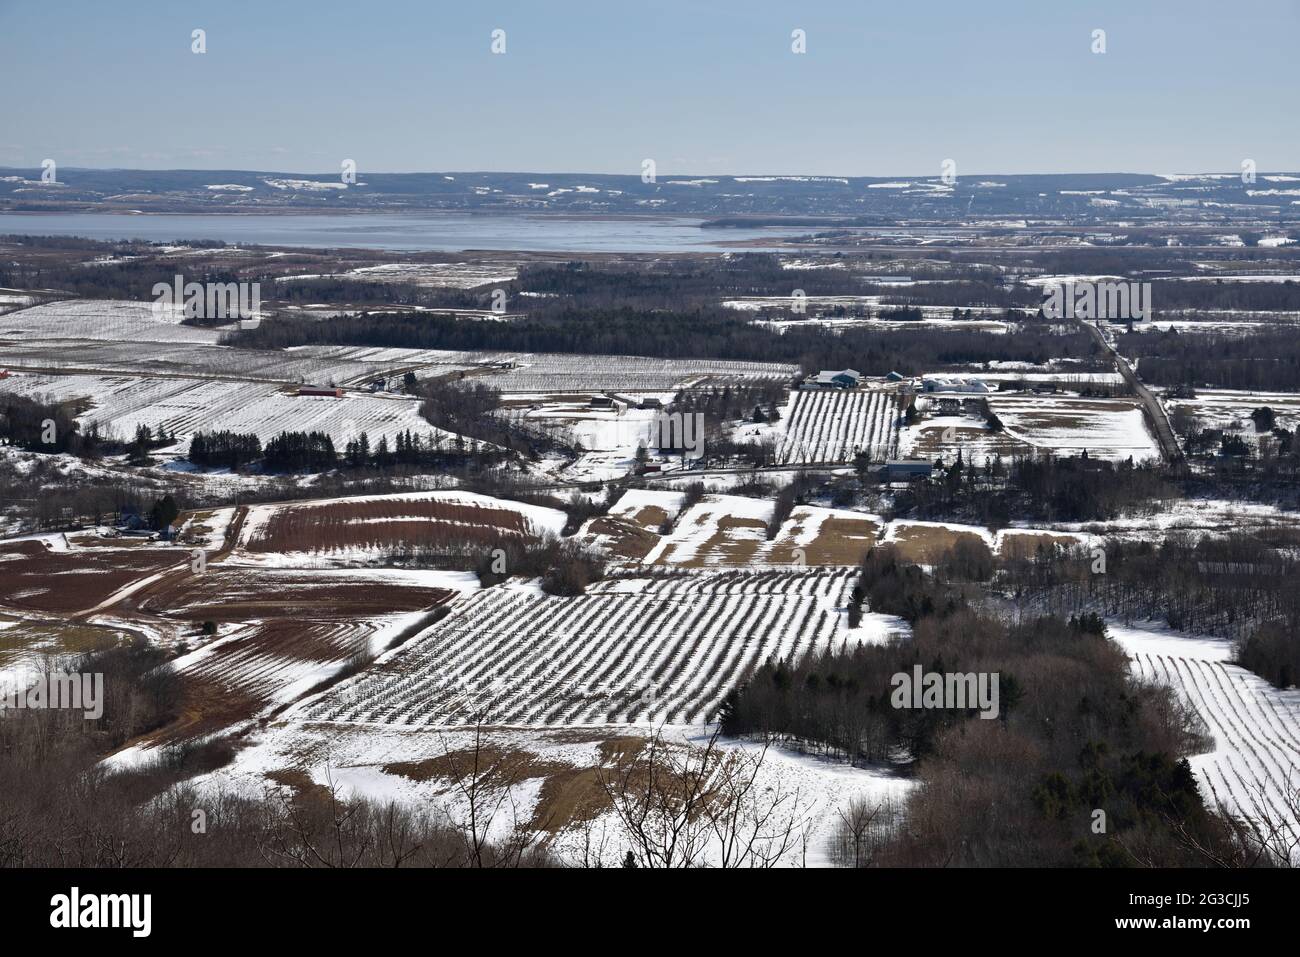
<point x="905" y="470"/>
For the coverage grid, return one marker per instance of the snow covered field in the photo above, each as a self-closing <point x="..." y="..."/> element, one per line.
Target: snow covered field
<point x="12" y="299"/>
<point x="835" y="425"/>
<point x="722" y="532"/>
<point x="813" y="303"/>
<point x="1111" y="429"/>
<point x="553" y="790"/>
<point x="120" y="404"/>
<point x="428" y="275"/>
<point x="1191" y="517"/>
<point x="730" y="531"/>
<point x="574" y="420"/>
<point x="1233" y="323"/>
<point x="439" y="275"/>
<point x="113" y="335"/>
<point x="984" y="318"/>
<point x="317" y="364"/>
<point x="1253" y="769"/>
<point x="105" y="319"/>
<point x="556" y="372"/>
<point x="629" y="651"/>
<point x="1229" y="410"/>
<point x="609" y="436"/>
<point x="133" y="337"/>
<point x="946" y="436"/>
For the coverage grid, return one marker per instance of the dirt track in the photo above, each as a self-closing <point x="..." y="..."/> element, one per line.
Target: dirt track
<point x="131" y="602"/>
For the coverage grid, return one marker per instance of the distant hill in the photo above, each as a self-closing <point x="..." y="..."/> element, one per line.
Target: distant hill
<point x="725" y="200"/>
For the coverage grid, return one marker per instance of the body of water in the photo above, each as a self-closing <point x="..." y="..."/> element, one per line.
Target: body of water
<point x="421" y="232"/>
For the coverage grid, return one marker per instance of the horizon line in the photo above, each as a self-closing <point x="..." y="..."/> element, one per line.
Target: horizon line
<point x="637" y="176"/>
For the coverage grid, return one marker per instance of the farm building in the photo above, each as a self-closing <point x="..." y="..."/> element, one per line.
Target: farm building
<point x="328" y="390"/>
<point x="948" y="406"/>
<point x="834" y="379"/>
<point x="905" y="470"/>
<point x="954" y="384"/>
<point x="631" y="402"/>
<point x="129" y="519"/>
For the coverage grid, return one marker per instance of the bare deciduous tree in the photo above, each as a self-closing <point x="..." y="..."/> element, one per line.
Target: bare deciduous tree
<point x="692" y="806"/>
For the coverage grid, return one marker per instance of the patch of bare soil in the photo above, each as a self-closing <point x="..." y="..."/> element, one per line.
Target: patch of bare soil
<point x="724" y="547"/>
<point x="927" y="544"/>
<point x="56" y="638"/>
<point x="207" y="706"/>
<point x="569" y="794"/>
<point x="839" y="541"/>
<point x="930" y="444"/>
<point x="624" y="539"/>
<point x="651" y="517"/>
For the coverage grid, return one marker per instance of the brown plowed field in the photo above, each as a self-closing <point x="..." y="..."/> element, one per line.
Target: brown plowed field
<point x="230" y="593"/>
<point x="35" y="578"/>
<point x="386" y="524"/>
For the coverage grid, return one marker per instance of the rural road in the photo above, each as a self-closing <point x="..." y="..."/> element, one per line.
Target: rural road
<point x="1155" y="413"/>
<point x="142" y="588"/>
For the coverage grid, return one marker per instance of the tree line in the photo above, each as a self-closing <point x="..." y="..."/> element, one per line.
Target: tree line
<point x="1263" y="361"/>
<point x="1036" y="488"/>
<point x="1075" y="733"/>
<point x="292" y="452"/>
<point x="46" y="426"/>
<point x="704" y="333"/>
<point x="1237" y="585"/>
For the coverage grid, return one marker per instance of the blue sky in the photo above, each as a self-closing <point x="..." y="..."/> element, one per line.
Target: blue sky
<point x="885" y="88"/>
